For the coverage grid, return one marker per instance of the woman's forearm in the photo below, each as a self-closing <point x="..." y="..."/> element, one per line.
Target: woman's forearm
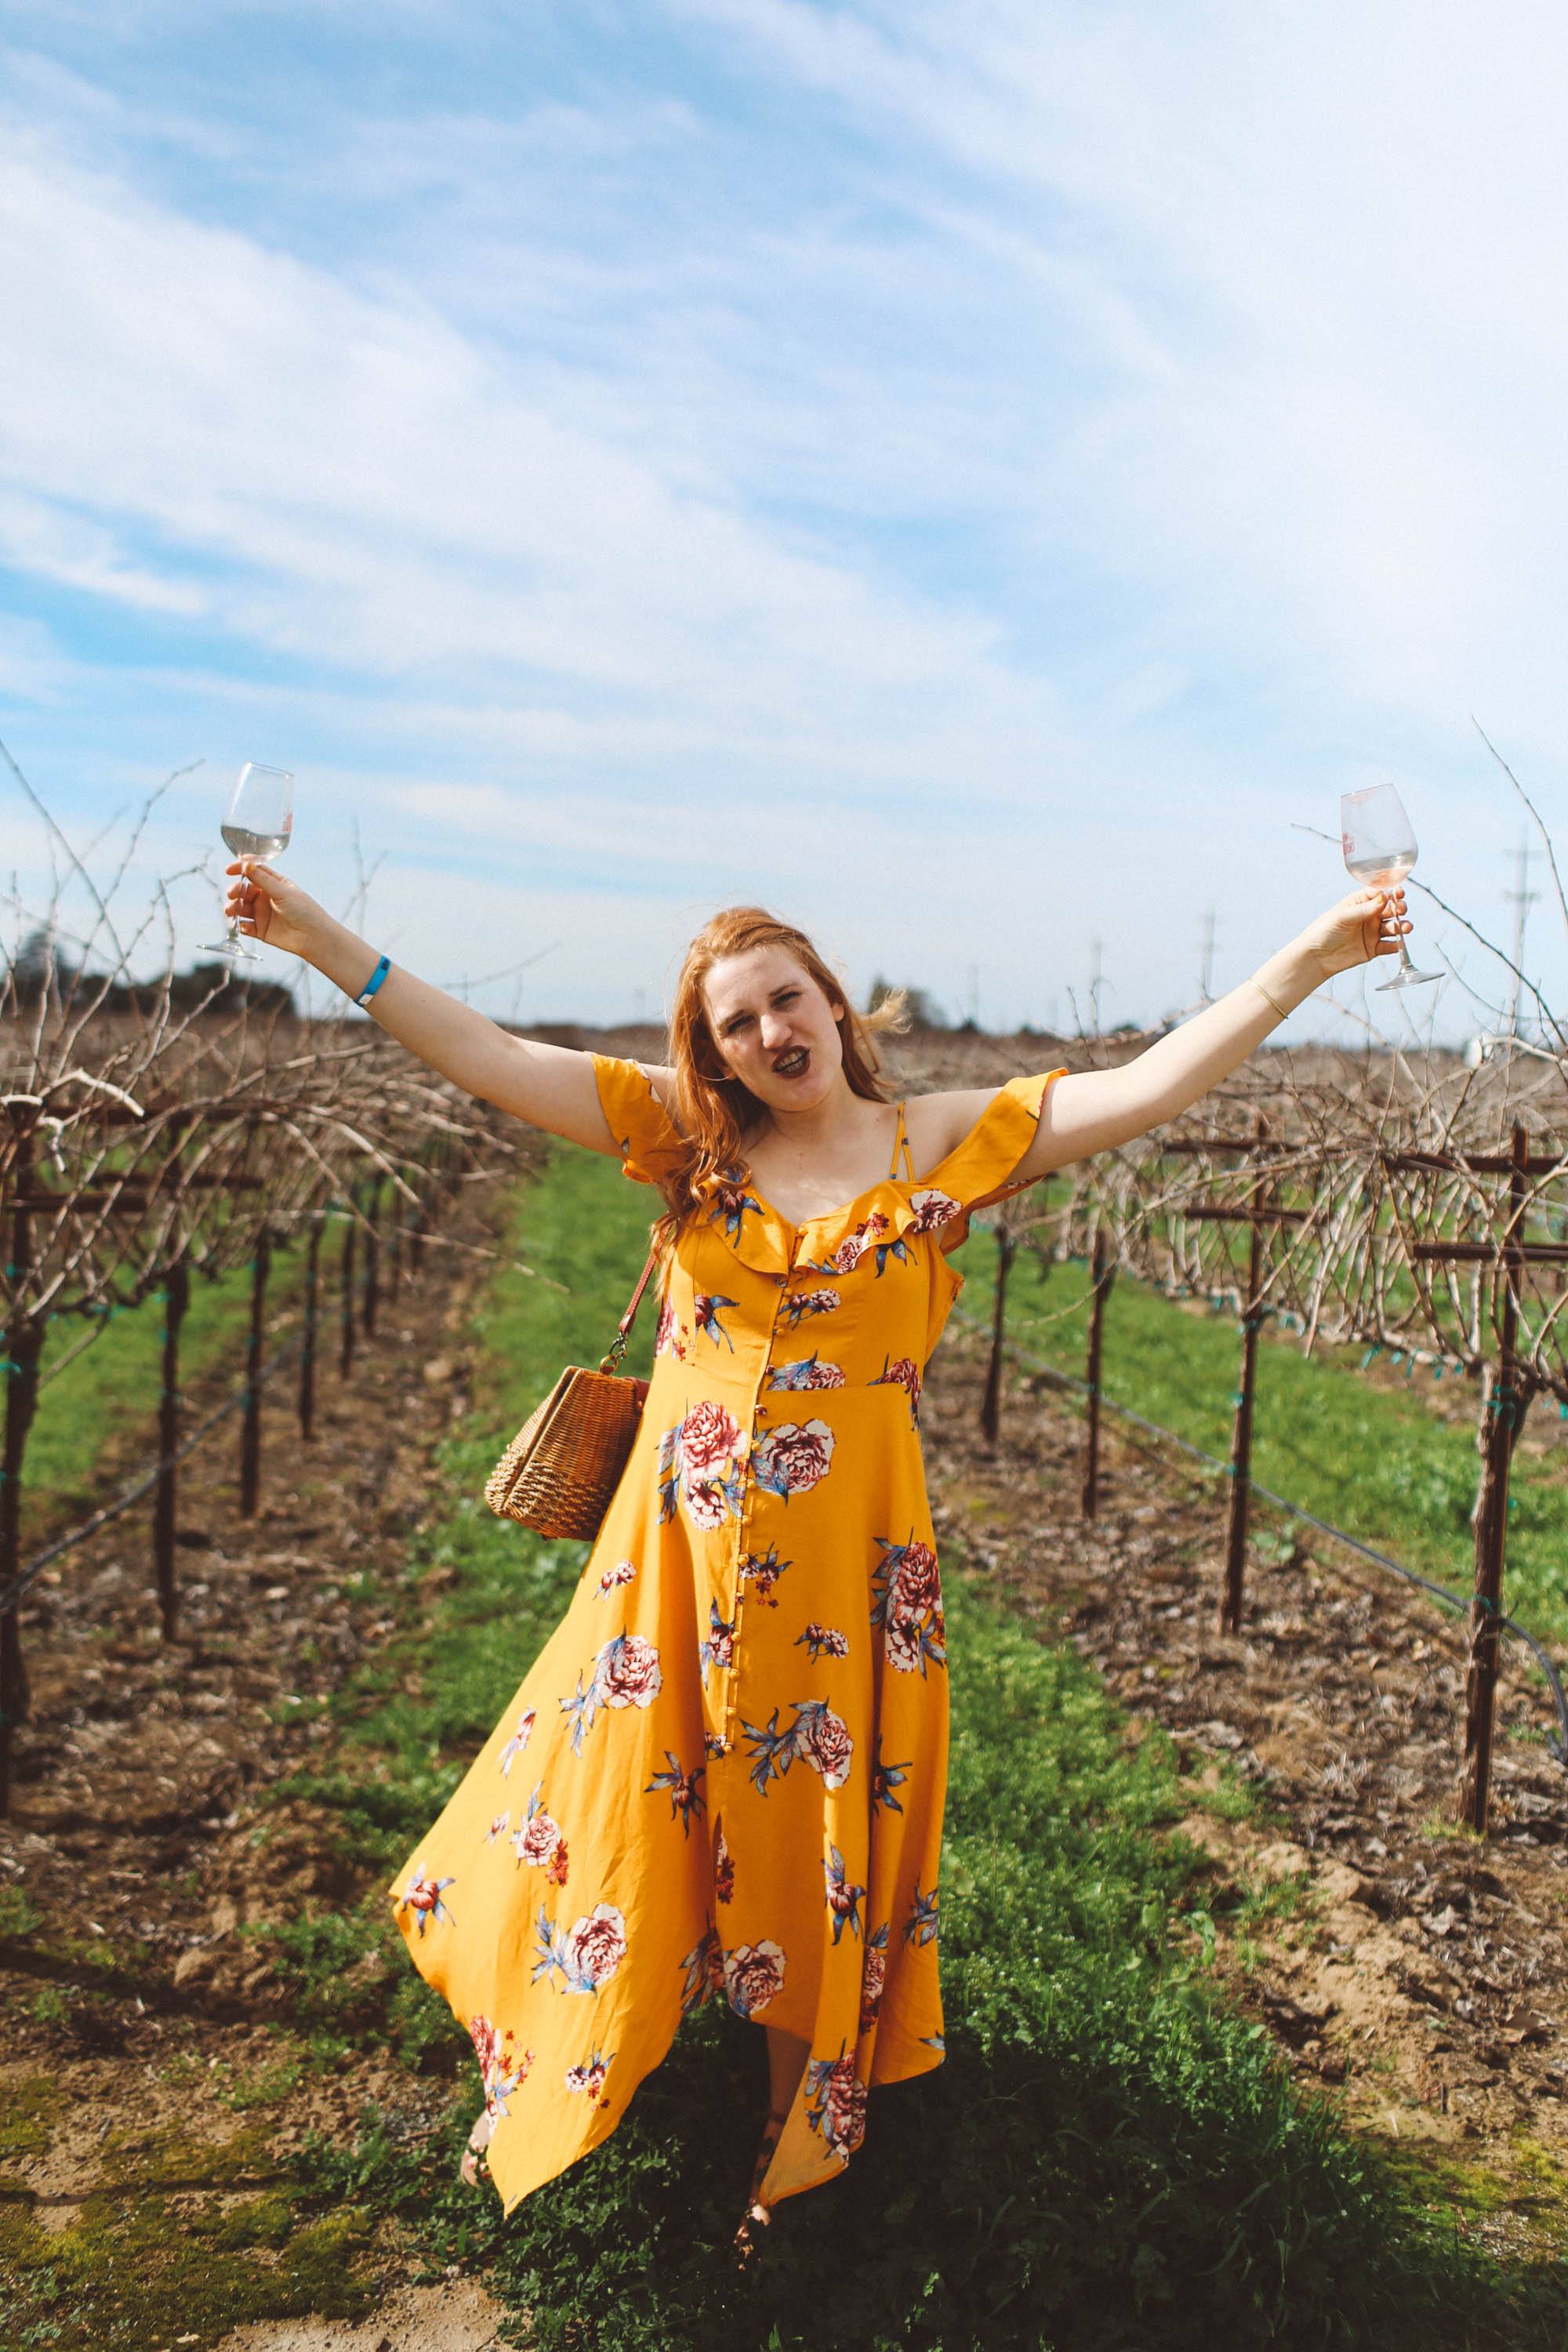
<point x="1179" y="1069"/>
<point x="549" y="1086"/>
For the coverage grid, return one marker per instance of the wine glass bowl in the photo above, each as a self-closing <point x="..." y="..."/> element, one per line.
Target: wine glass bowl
<point x="1379" y="845"/>
<point x="257" y="823"/>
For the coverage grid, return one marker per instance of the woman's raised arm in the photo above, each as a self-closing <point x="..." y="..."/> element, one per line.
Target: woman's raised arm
<point x="551" y="1086"/>
<point x="1087" y="1111"/>
<point x="1094" y="1110"/>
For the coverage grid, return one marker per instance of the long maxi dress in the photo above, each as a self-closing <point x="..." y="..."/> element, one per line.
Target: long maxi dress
<point x="725" y="1771"/>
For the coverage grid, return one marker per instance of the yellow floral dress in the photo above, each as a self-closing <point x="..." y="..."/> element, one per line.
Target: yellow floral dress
<point x="724" y="1773"/>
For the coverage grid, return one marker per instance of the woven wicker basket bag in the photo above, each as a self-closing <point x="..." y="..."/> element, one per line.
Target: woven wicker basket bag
<point x="560" y="1469"/>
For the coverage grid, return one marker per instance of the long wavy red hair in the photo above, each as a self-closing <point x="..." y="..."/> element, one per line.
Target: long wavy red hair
<point x="714" y="1107"/>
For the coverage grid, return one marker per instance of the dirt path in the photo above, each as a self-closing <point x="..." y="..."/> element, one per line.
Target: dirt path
<point x="1418" y="1973"/>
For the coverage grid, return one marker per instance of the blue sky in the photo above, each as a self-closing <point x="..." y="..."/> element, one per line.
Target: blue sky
<point x="977" y="477"/>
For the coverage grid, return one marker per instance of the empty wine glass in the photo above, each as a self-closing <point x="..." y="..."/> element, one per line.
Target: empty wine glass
<point x="257" y="824"/>
<point x="1379" y="844"/>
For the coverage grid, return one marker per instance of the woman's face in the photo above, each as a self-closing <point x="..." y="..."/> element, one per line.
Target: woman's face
<point x="774" y="1028"/>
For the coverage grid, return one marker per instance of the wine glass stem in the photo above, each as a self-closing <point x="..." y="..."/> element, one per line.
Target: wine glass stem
<point x="234" y="920"/>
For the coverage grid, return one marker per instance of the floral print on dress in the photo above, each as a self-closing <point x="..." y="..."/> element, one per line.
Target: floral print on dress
<point x="497" y="1826"/>
<point x="920" y="1927"/>
<point x="501" y="2070"/>
<point x="843" y="1896"/>
<point x="873" y="1975"/>
<point x="422" y="1896"/>
<point x="703" y="1970"/>
<point x="519" y="1740"/>
<point x="792" y="1458"/>
<point x="902" y="1371"/>
<point x="934" y="1210"/>
<point x="685" y="1797"/>
<point x="587" y="1955"/>
<point x="836" y="2102"/>
<point x="731" y="1202"/>
<point x="886" y="1777"/>
<point x="823" y="1640"/>
<point x="753" y="1975"/>
<point x="807" y="1372"/>
<point x="699" y="1462"/>
<point x="866" y="1237"/>
<point x="908" y="1605"/>
<point x="670" y="1336"/>
<point x="590" y="2075"/>
<point x="761" y="1571"/>
<point x="717" y="1648"/>
<point x="724" y="1863"/>
<point x="810" y="1302"/>
<point x="621" y="1573"/>
<point x="816" y="1733"/>
<point x="538" y="1840"/>
<point x="624" y="1673"/>
<point x="707" y="1305"/>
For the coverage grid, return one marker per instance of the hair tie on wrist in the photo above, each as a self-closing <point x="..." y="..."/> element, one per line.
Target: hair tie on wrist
<point x="373" y="982"/>
<point x="1279" y="1009"/>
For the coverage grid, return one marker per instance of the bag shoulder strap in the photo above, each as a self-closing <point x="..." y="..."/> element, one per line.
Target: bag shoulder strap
<point x="612" y="1362"/>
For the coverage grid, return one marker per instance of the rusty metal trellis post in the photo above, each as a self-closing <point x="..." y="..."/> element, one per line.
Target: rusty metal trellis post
<point x="1102" y="1273"/>
<point x="372" y="1299"/>
<point x="176" y="1299"/>
<point x="24" y="1345"/>
<point x="346" y="1295"/>
<point x="991" y="1403"/>
<point x="1505" y="1399"/>
<point x="1241" y="1437"/>
<point x="250" y="1425"/>
<point x="1261" y="1210"/>
<point x="307" y="1405"/>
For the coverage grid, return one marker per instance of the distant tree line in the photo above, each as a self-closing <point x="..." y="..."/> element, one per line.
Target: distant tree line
<point x="925" y="1012"/>
<point x="41" y="970"/>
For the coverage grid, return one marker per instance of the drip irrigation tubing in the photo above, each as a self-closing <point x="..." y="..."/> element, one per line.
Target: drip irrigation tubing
<point x="1558" y="1747"/>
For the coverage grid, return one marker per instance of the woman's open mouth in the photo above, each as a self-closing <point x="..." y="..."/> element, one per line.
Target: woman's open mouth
<point x="792" y="1064"/>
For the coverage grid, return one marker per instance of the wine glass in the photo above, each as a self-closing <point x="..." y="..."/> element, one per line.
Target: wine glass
<point x="1380" y="847"/>
<point x="257" y="824"/>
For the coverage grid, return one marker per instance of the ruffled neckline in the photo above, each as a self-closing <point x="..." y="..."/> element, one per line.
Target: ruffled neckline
<point x="878" y="1219"/>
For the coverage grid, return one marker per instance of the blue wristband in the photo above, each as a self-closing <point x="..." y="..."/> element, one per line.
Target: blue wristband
<point x="373" y="982"/>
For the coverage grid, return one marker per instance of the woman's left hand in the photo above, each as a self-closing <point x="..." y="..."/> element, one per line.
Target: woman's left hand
<point x="1368" y="923"/>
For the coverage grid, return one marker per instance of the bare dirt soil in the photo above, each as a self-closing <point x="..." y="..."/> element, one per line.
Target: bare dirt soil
<point x="1415" y="1972"/>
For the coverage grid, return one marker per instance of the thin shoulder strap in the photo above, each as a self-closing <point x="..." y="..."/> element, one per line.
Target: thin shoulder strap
<point x="902" y="1147"/>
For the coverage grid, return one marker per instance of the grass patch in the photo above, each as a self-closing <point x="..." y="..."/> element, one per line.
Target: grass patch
<point x="186" y="2239"/>
<point x="1110" y="2157"/>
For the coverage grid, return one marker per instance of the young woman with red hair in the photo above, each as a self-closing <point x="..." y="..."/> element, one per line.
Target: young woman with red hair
<point x="725" y="1772"/>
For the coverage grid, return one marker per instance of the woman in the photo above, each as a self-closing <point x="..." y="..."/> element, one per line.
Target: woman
<point x="725" y="1772"/>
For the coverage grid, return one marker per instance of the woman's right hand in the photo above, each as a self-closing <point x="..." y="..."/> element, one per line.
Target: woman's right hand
<point x="271" y="907"/>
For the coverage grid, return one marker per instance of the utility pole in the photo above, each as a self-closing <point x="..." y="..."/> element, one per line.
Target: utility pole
<point x="1094" y="988"/>
<point x="974" y="996"/>
<point x="1520" y="897"/>
<point x="1206" y="981"/>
